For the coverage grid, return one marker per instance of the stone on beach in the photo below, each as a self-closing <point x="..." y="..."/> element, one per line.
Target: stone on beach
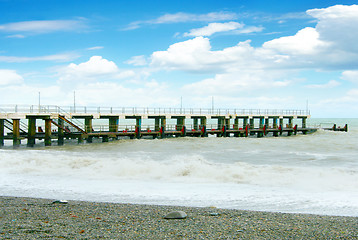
<point x="60" y="201"/>
<point x="176" y="215"/>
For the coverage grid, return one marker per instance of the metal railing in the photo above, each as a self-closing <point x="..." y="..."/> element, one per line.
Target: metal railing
<point x="146" y="111"/>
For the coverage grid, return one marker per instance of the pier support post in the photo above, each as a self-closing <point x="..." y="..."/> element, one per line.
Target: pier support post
<point x="261" y="126"/>
<point x="252" y="125"/>
<point x="156" y="124"/>
<point x="138" y="126"/>
<point x="80" y="139"/>
<point x="163" y="123"/>
<point x="304" y="125"/>
<point x="227" y="127"/>
<point x="16" y="132"/>
<point x="47" y="132"/>
<point x="105" y="139"/>
<point x="267" y="122"/>
<point x="31" y="132"/>
<point x="61" y="135"/>
<point x="236" y="127"/>
<point x="274" y="126"/>
<point x="2" y="132"/>
<point x="88" y="124"/>
<point x="203" y="127"/>
<point x="195" y="124"/>
<point x="290" y="122"/>
<point x="113" y="124"/>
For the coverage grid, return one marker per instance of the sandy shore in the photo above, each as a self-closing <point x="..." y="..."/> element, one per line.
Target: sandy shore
<point x="28" y="218"/>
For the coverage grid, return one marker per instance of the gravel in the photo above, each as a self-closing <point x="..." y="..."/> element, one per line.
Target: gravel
<point x="28" y="218"/>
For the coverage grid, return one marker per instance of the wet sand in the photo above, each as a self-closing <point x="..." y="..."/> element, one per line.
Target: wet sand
<point x="29" y="218"/>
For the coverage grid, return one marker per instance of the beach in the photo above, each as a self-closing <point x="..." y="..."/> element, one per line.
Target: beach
<point x="30" y="218"/>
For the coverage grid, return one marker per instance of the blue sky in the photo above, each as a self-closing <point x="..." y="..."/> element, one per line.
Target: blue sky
<point x="246" y="54"/>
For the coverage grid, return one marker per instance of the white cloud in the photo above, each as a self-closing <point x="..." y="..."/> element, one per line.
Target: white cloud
<point x="309" y="48"/>
<point x="137" y="61"/>
<point x="95" y="48"/>
<point x="214" y="28"/>
<point x="96" y="69"/>
<point x="62" y="57"/>
<point x="10" y="77"/>
<point x="351" y="76"/>
<point x="330" y="84"/>
<point x="185" y="17"/>
<point x="306" y="41"/>
<point x="44" y="26"/>
<point x="96" y="66"/>
<point x="16" y="36"/>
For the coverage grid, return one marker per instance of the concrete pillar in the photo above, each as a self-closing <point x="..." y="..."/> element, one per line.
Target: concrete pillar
<point x="290" y="122"/>
<point x="274" y="122"/>
<point x="180" y="123"/>
<point x="196" y="124"/>
<point x="16" y="132"/>
<point x="236" y="124"/>
<point x="113" y="124"/>
<point x="156" y="125"/>
<point x="47" y="132"/>
<point x="60" y="131"/>
<point x="274" y="126"/>
<point x="267" y="122"/>
<point x="31" y="132"/>
<point x="262" y="122"/>
<point x="252" y="123"/>
<point x="304" y="125"/>
<point x="80" y="139"/>
<point x="88" y="124"/>
<point x="2" y="132"/>
<point x="244" y="122"/>
<point x="138" y="125"/>
<point x="163" y="123"/>
<point x="203" y="126"/>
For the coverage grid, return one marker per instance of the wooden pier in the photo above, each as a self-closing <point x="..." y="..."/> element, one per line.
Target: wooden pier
<point x="19" y="123"/>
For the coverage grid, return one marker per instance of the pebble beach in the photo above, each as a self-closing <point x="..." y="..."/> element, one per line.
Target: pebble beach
<point x="29" y="218"/>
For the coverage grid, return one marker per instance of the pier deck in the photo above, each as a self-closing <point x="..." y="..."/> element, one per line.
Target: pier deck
<point x="19" y="123"/>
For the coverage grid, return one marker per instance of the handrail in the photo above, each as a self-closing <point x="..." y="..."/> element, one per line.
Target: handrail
<point x="68" y="110"/>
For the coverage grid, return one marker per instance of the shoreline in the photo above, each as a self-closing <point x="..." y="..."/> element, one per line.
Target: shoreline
<point x="27" y="218"/>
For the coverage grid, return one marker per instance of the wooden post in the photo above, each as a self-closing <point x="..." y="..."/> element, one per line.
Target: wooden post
<point x="31" y="132"/>
<point x="47" y="132"/>
<point x="2" y="132"/>
<point x="60" y="131"/>
<point x="16" y="132"/>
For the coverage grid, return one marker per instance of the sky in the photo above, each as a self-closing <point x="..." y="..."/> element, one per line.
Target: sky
<point x="233" y="54"/>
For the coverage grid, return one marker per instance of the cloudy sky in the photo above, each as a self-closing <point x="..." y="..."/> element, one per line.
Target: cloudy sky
<point x="245" y="54"/>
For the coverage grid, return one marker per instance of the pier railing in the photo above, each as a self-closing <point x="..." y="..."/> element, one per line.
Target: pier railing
<point x="146" y="110"/>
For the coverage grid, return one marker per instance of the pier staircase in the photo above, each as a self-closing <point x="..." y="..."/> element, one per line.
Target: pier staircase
<point x="9" y="125"/>
<point x="68" y="126"/>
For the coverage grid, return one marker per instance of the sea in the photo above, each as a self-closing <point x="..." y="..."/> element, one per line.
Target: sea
<point x="315" y="173"/>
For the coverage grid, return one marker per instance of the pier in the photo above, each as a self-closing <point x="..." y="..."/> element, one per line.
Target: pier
<point x="54" y="124"/>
